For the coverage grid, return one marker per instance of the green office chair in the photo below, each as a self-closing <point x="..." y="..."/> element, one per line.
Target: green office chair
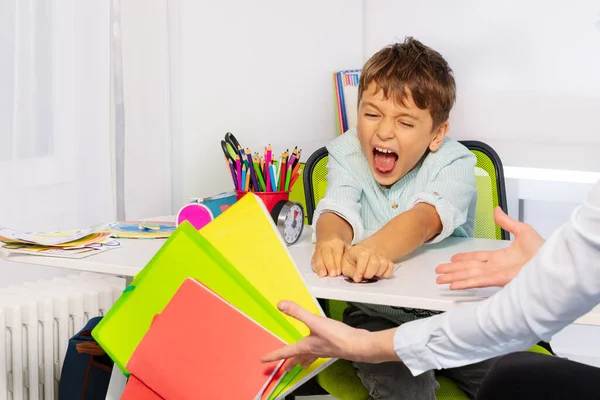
<point x="340" y="379"/>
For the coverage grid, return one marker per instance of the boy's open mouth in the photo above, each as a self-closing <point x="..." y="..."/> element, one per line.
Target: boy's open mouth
<point x="384" y="160"/>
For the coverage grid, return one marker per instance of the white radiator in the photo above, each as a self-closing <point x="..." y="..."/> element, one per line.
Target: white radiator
<point x="37" y="320"/>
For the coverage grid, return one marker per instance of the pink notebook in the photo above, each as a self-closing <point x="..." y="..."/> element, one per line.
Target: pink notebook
<point x="201" y="347"/>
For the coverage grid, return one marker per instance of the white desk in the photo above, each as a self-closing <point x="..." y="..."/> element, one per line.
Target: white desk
<point x="413" y="284"/>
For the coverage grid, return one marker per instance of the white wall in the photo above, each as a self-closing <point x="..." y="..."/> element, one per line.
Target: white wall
<point x="528" y="72"/>
<point x="146" y="96"/>
<point x="262" y="70"/>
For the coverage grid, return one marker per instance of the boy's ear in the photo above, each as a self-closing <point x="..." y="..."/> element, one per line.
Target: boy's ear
<point x="439" y="134"/>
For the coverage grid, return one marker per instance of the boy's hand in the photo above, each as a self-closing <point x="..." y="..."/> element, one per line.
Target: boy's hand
<point x="361" y="263"/>
<point x="327" y="259"/>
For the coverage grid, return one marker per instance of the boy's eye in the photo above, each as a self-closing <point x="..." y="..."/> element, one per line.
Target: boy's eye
<point x="371" y="115"/>
<point x="406" y="124"/>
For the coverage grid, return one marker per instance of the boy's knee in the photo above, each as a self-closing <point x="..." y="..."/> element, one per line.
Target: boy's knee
<point x="393" y="380"/>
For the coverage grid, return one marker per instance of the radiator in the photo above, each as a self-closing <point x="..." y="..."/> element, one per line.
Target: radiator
<point x="36" y="321"/>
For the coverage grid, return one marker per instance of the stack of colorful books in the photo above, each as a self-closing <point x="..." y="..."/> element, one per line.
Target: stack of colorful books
<point x="196" y="320"/>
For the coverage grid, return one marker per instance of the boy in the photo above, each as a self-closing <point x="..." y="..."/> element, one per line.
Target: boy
<point x="395" y="183"/>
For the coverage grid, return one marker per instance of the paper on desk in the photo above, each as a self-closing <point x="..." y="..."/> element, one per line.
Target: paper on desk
<point x="62" y="252"/>
<point x="76" y="237"/>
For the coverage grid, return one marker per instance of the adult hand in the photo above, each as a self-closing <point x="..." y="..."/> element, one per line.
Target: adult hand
<point x="360" y="263"/>
<point x="332" y="339"/>
<point x="326" y="260"/>
<point x="492" y="268"/>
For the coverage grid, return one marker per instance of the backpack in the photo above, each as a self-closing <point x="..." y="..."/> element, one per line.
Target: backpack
<point x="86" y="369"/>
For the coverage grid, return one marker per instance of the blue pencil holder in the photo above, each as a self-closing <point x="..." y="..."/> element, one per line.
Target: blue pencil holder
<point x="217" y="203"/>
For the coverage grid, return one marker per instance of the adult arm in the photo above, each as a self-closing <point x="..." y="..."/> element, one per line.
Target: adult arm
<point x="560" y="284"/>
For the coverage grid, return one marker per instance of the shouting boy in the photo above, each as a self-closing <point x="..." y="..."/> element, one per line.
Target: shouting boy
<point x="396" y="182"/>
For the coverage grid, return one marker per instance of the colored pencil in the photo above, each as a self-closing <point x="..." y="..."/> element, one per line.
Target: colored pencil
<point x="297" y="160"/>
<point x="293" y="157"/>
<point x="282" y="171"/>
<point x="296" y="168"/>
<point x="273" y="179"/>
<point x="294" y="180"/>
<point x="268" y="168"/>
<point x="244" y="177"/>
<point x="251" y="170"/>
<point x="239" y="172"/>
<point x="231" y="168"/>
<point x="247" y="183"/>
<point x="288" y="175"/>
<point x="260" y="177"/>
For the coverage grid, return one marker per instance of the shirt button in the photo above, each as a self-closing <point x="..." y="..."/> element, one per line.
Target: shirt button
<point x="394" y="205"/>
<point x="436" y="193"/>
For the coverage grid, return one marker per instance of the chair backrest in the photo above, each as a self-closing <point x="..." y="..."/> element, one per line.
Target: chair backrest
<point x="297" y="193"/>
<point x="489" y="178"/>
<point x="491" y="192"/>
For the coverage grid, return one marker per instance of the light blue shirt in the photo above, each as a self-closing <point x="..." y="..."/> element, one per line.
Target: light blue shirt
<point x="444" y="178"/>
<point x="560" y="284"/>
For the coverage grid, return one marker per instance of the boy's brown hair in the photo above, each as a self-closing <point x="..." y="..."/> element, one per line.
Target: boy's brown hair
<point x="412" y="65"/>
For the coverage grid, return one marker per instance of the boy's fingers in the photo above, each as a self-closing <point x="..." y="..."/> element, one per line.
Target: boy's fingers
<point x="362" y="260"/>
<point x="338" y="252"/>
<point x="383" y="265"/>
<point x="348" y="267"/>
<point x="317" y="265"/>
<point x="390" y="270"/>
<point x="372" y="267"/>
<point x="327" y="257"/>
<point x="386" y="268"/>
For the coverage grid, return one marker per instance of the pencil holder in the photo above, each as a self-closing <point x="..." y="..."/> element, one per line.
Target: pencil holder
<point x="269" y="198"/>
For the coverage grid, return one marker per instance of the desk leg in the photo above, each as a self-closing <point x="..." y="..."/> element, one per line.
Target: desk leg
<point x="116" y="385"/>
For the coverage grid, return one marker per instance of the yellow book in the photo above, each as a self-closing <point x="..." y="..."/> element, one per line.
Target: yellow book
<point x="246" y="234"/>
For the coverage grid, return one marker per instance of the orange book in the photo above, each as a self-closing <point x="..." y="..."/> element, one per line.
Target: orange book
<point x="201" y="347"/>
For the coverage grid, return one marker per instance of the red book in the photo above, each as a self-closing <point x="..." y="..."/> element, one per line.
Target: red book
<point x="201" y="347"/>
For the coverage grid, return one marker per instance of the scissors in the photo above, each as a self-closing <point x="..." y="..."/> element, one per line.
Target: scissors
<point x="229" y="152"/>
<point x="230" y="140"/>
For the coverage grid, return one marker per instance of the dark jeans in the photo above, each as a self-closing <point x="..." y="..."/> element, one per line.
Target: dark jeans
<point x="393" y="380"/>
<point x="531" y="376"/>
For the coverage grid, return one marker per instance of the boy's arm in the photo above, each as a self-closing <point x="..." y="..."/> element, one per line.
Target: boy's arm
<point x="406" y="232"/>
<point x="439" y="209"/>
<point x="338" y="213"/>
<point x="331" y="226"/>
<point x="337" y="219"/>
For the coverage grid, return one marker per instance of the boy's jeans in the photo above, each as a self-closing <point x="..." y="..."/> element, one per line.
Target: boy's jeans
<point x="393" y="380"/>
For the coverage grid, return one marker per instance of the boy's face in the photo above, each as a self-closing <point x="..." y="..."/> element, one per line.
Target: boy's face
<point x="394" y="137"/>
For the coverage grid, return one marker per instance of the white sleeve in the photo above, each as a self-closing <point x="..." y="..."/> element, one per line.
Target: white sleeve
<point x="560" y="284"/>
